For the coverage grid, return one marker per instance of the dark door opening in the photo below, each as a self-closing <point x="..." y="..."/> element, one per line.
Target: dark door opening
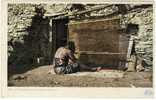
<point x="59" y="32"/>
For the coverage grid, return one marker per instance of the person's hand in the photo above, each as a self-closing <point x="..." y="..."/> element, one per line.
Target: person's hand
<point x="98" y="69"/>
<point x="51" y="72"/>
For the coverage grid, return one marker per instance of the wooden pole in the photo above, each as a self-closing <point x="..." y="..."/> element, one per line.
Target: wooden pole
<point x="130" y="46"/>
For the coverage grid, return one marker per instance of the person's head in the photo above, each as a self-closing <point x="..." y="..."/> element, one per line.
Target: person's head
<point x="40" y="11"/>
<point x="70" y="45"/>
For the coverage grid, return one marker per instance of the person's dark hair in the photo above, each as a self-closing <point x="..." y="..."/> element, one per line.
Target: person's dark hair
<point x="71" y="46"/>
<point x="39" y="9"/>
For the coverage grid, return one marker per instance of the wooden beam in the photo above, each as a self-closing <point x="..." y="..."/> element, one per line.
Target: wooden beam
<point x="72" y="15"/>
<point x="46" y="15"/>
<point x="129" y="51"/>
<point x="90" y="10"/>
<point x="93" y="52"/>
<point x="65" y="14"/>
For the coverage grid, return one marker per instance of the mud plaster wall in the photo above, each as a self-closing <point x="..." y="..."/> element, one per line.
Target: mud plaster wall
<point x="99" y="42"/>
<point x="95" y="35"/>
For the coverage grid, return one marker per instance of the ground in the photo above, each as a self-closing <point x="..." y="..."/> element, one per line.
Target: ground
<point x="105" y="78"/>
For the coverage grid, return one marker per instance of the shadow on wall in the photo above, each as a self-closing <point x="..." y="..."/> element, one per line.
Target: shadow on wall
<point x="31" y="50"/>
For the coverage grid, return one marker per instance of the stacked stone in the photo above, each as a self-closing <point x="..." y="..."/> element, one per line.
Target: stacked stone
<point x="19" y="20"/>
<point x="144" y="38"/>
<point x="20" y="31"/>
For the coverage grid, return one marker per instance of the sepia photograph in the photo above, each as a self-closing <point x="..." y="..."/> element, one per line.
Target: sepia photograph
<point x="80" y="45"/>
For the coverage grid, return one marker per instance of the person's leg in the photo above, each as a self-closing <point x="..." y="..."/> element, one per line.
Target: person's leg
<point x="60" y="70"/>
<point x="72" y="68"/>
<point x="51" y="71"/>
<point x="86" y="68"/>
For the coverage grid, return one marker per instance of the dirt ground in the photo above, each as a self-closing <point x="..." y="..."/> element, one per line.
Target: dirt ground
<point x="40" y="77"/>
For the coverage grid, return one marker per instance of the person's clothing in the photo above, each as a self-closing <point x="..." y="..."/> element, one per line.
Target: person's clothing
<point x="62" y="63"/>
<point x="66" y="69"/>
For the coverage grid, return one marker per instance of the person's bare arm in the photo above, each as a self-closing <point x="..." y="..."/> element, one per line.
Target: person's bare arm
<point x="72" y="58"/>
<point x="51" y="71"/>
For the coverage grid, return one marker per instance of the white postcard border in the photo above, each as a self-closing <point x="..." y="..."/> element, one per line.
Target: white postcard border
<point x="64" y="91"/>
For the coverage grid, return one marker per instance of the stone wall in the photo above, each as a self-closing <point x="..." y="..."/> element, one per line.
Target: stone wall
<point x="28" y="35"/>
<point x="137" y="21"/>
<point x="144" y="37"/>
<point x="20" y="18"/>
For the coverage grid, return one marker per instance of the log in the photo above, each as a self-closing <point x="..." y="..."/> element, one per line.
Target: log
<point x="90" y="10"/>
<point x="71" y="16"/>
<point x="131" y="40"/>
<point x="94" y="52"/>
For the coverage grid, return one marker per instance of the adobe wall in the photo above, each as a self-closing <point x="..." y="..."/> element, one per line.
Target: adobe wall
<point x="99" y="42"/>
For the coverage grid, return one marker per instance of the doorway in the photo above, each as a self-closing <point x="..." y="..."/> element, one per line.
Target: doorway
<point x="59" y="32"/>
